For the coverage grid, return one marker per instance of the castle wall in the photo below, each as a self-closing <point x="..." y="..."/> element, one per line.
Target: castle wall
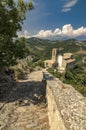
<point x="66" y="107"/>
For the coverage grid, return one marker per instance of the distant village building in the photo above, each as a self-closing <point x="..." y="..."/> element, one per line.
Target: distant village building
<point x="70" y="62"/>
<point x="29" y="58"/>
<point x="84" y="60"/>
<point x="67" y="62"/>
<point x="52" y="62"/>
<point x="61" y="62"/>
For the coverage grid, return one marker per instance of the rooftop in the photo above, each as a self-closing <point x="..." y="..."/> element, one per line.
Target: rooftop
<point x="70" y="61"/>
<point x="67" y="55"/>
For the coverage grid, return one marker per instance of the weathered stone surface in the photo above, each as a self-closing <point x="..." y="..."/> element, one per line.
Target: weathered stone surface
<point x="67" y="107"/>
<point x="24" y="107"/>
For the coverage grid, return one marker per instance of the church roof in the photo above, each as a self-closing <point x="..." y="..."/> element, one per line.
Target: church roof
<point x="70" y="61"/>
<point x="67" y="55"/>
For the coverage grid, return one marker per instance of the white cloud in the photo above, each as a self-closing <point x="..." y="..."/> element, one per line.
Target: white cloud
<point x="24" y="34"/>
<point x="44" y="34"/>
<point x="66" y="31"/>
<point x="66" y="9"/>
<point x="68" y="5"/>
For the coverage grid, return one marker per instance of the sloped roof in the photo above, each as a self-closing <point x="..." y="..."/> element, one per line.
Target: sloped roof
<point x="67" y="55"/>
<point x="70" y="61"/>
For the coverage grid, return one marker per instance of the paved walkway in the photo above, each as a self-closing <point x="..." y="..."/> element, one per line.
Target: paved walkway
<point x="24" y="108"/>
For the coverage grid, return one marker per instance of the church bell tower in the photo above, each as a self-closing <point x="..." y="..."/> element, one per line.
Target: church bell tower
<point x="54" y="54"/>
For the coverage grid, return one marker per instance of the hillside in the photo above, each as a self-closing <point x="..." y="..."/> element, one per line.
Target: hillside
<point x="42" y="48"/>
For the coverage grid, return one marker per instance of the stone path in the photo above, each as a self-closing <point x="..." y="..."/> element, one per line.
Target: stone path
<point x="24" y="107"/>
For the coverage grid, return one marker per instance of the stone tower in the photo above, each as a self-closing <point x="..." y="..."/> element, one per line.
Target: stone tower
<point x="54" y="54"/>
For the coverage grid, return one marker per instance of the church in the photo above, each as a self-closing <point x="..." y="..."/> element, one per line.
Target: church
<point x="61" y="62"/>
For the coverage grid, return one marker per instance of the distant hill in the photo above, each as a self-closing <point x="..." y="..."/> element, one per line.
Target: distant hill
<point x="42" y="48"/>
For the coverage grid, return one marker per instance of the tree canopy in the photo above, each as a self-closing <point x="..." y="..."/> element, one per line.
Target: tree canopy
<point x="12" y="15"/>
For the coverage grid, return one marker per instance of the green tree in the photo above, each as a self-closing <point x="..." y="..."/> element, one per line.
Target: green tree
<point x="68" y="75"/>
<point x="12" y="15"/>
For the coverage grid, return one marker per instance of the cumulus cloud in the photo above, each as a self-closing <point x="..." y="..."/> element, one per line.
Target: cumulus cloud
<point x="24" y="34"/>
<point x="66" y="31"/>
<point x="68" y="5"/>
<point x="44" y="34"/>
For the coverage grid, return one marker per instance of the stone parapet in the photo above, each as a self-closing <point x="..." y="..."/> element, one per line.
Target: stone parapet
<point x="66" y="107"/>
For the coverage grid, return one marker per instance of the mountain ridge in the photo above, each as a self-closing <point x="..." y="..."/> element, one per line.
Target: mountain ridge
<point x="42" y="48"/>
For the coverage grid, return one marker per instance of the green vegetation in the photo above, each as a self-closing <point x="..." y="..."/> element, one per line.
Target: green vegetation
<point x="42" y="48"/>
<point x="20" y="74"/>
<point x="76" y="77"/>
<point x="11" y="18"/>
<point x="38" y="63"/>
<point x="11" y="48"/>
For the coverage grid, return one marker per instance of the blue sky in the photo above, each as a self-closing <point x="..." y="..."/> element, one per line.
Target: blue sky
<point x="56" y="19"/>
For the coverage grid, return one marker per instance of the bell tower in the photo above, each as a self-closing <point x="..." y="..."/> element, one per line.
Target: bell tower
<point x="54" y="54"/>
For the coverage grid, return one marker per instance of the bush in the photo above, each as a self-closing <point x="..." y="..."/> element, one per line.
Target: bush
<point x="69" y="75"/>
<point x="76" y="77"/>
<point x="19" y="74"/>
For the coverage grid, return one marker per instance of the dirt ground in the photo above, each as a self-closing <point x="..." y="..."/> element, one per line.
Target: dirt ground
<point x="24" y="107"/>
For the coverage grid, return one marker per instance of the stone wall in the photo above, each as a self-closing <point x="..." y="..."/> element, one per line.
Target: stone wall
<point x="66" y="107"/>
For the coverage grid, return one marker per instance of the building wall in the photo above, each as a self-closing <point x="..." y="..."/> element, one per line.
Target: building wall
<point x="50" y="63"/>
<point x="70" y="65"/>
<point x="55" y="119"/>
<point x="59" y="61"/>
